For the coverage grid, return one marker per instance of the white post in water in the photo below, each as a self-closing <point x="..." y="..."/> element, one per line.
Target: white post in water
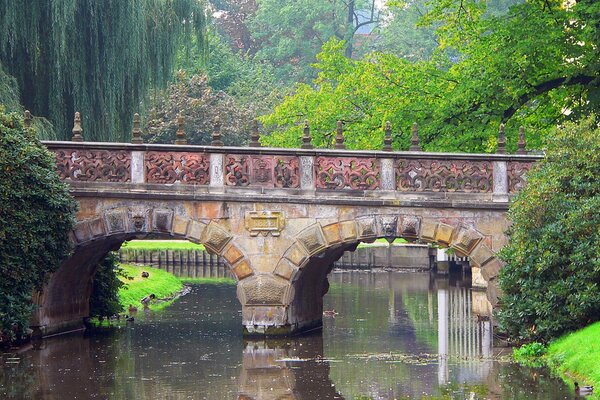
<point x="442" y="296"/>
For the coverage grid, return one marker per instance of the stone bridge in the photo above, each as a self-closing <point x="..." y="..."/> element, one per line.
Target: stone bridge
<point x="278" y="217"/>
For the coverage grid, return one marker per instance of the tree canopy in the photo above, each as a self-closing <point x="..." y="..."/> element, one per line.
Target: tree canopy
<point x="536" y="65"/>
<point x="551" y="280"/>
<point x="36" y="216"/>
<point x="98" y="58"/>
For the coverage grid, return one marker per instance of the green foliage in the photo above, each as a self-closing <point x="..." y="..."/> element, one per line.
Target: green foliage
<point x="99" y="58"/>
<point x="552" y="277"/>
<point x="36" y="215"/>
<point x="161" y="283"/>
<point x="522" y="67"/>
<point x="104" y="300"/>
<point x="530" y="354"/>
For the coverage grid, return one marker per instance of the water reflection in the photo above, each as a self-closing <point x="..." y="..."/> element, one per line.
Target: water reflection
<point x="395" y="336"/>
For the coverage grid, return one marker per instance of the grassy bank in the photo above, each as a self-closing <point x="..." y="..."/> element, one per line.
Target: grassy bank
<point x="161" y="283"/>
<point x="157" y="245"/>
<point x="576" y="357"/>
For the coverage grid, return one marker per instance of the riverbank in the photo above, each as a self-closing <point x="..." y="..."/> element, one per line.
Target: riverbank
<point x="162" y="284"/>
<point x="576" y="357"/>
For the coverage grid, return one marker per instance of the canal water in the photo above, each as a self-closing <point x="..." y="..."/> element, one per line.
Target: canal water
<point x="393" y="336"/>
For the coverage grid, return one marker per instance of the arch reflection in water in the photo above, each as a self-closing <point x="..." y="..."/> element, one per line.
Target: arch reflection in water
<point x="286" y="369"/>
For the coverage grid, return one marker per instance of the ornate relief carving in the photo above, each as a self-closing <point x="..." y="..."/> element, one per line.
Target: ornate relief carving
<point x="367" y="227"/>
<point x="115" y="221"/>
<point x="264" y="222"/>
<point x="215" y="238"/>
<point x="346" y="172"/>
<point x="94" y="165"/>
<point x="466" y="239"/>
<point x="263" y="171"/>
<point x="389" y="226"/>
<point x="410" y="226"/>
<point x="171" y="167"/>
<point x="443" y="176"/>
<point x="516" y="175"/>
<point x="264" y="290"/>
<point x="312" y="239"/>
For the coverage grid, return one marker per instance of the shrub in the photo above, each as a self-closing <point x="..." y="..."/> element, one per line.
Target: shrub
<point x="36" y="215"/>
<point x="551" y="280"/>
<point x="104" y="301"/>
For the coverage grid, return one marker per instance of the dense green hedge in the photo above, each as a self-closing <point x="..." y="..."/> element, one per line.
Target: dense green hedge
<point x="552" y="277"/>
<point x="104" y="301"/>
<point x="36" y="214"/>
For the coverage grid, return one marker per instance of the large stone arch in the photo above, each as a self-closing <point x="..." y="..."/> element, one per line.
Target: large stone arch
<point x="292" y="296"/>
<point x="64" y="301"/>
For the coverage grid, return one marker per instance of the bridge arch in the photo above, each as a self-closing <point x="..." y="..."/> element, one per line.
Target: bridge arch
<point x="299" y="280"/>
<point x="64" y="301"/>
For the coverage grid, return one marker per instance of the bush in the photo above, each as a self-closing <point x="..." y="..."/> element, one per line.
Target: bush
<point x="551" y="280"/>
<point x="36" y="215"/>
<point x="530" y="354"/>
<point x="104" y="301"/>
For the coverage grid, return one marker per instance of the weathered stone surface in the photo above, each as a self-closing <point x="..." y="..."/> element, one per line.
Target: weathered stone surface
<point x="428" y="229"/>
<point x="97" y="227"/>
<point x="481" y="254"/>
<point x="180" y="225"/>
<point x="477" y="280"/>
<point x="491" y="269"/>
<point x="348" y="230"/>
<point x="161" y="220"/>
<point x="264" y="290"/>
<point x="242" y="270"/>
<point x="465" y="239"/>
<point x="297" y="254"/>
<point x="264" y="222"/>
<point x="389" y="226"/>
<point x="115" y="221"/>
<point x="196" y="230"/>
<point x="215" y="238"/>
<point x="286" y="269"/>
<point x="312" y="239"/>
<point x="332" y="233"/>
<point x="232" y="254"/>
<point x="367" y="227"/>
<point x="444" y="233"/>
<point x="493" y="292"/>
<point x="82" y="232"/>
<point x="410" y="226"/>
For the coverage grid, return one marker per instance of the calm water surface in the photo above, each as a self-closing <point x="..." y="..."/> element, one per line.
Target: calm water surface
<point x="396" y="336"/>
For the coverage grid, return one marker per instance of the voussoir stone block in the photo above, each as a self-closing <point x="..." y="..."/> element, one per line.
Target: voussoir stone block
<point x="264" y="290"/>
<point x="493" y="292"/>
<point x="297" y="254"/>
<point x="286" y="269"/>
<point x="242" y="270"/>
<point x="428" y="229"/>
<point x="196" y="230"/>
<point x="491" y="269"/>
<point x="215" y="238"/>
<point x="348" y="230"/>
<point x="180" y="225"/>
<point x="332" y="233"/>
<point x="312" y="239"/>
<point x="82" y="232"/>
<point x="232" y="254"/>
<point x="162" y="220"/>
<point x="388" y="226"/>
<point x="444" y="233"/>
<point x="367" y="227"/>
<point x="481" y="254"/>
<point x="115" y="221"/>
<point x="409" y="227"/>
<point x="97" y="227"/>
<point x="465" y="239"/>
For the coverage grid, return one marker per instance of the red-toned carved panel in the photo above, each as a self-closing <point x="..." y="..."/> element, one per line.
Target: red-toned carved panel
<point x="444" y="176"/>
<point x="516" y="175"/>
<point x="171" y="167"/>
<point x="263" y="171"/>
<point x="93" y="165"/>
<point x="346" y="172"/>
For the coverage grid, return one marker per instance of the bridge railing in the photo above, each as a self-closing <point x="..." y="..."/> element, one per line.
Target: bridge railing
<point x="277" y="168"/>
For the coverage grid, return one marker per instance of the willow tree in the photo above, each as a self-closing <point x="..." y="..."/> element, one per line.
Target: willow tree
<point x="96" y="57"/>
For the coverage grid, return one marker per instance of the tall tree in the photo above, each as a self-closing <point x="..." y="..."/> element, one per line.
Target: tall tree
<point x="97" y="57"/>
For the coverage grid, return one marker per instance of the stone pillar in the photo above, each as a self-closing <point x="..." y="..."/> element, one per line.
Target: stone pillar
<point x="388" y="174"/>
<point x="137" y="167"/>
<point x="307" y="175"/>
<point x="217" y="174"/>
<point x="500" y="193"/>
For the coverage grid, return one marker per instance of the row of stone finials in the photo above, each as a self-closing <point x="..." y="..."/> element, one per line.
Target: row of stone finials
<point x="136" y="134"/>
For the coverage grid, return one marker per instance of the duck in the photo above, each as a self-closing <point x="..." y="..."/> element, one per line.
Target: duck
<point x="583" y="390"/>
<point x="129" y="319"/>
<point x="330" y="313"/>
<point x="132" y="309"/>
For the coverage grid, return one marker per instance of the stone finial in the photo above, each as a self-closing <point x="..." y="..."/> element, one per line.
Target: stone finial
<point x="387" y="140"/>
<point x="28" y="119"/>
<point x="306" y="139"/>
<point x="501" y="148"/>
<point x="216" y="136"/>
<point x="180" y="135"/>
<point x="339" y="136"/>
<point x="521" y="145"/>
<point x="414" y="141"/>
<point x="254" y="135"/>
<point x="77" y="131"/>
<point x="136" y="132"/>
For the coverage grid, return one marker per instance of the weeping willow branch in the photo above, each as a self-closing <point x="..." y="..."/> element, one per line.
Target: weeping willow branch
<point x="96" y="57"/>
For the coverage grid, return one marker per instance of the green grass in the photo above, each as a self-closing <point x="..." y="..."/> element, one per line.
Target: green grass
<point x="381" y="242"/>
<point x="161" y="283"/>
<point x="157" y="245"/>
<point x="576" y="356"/>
